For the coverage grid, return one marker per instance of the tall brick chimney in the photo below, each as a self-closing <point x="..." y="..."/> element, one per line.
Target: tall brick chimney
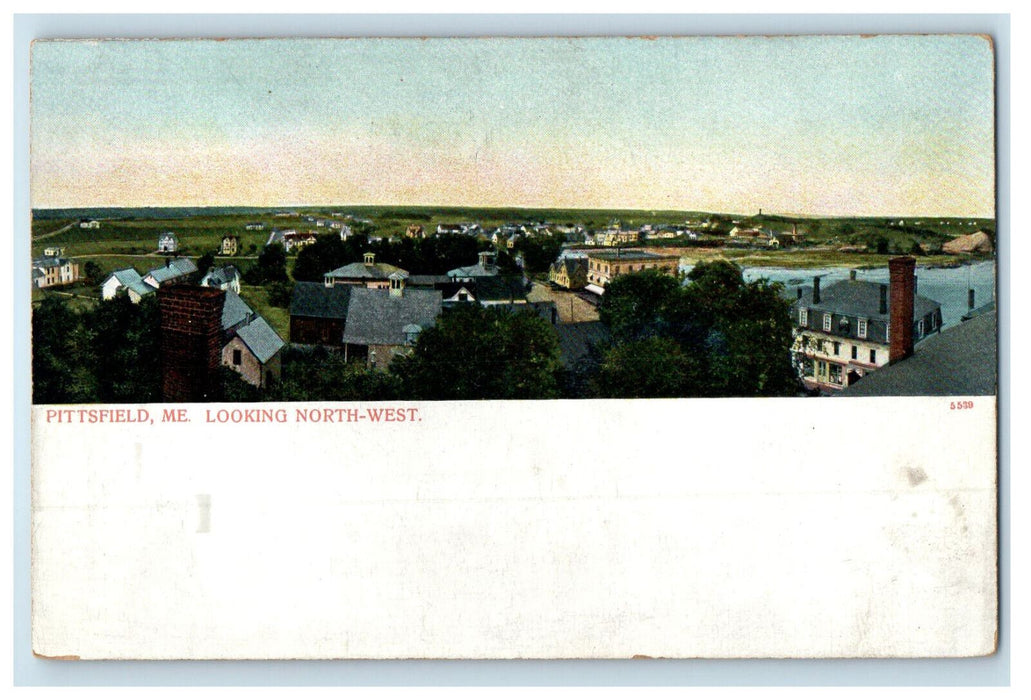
<point x="902" y="283"/>
<point x="191" y="342"/>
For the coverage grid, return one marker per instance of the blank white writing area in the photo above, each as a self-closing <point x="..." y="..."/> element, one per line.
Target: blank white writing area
<point x="565" y="529"/>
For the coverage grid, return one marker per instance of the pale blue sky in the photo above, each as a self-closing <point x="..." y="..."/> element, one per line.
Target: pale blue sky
<point x="819" y="125"/>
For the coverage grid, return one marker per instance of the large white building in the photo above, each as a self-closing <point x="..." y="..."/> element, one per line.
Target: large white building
<point x="854" y="327"/>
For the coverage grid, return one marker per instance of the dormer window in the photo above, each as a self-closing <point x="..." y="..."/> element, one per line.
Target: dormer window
<point x="827" y="319"/>
<point x="861" y="328"/>
<point x="803" y="317"/>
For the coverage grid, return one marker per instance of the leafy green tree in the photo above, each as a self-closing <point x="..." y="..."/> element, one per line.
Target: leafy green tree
<point x="636" y="306"/>
<point x="654" y="367"/>
<point x="323" y="375"/>
<point x="539" y="251"/>
<point x="271" y="266"/>
<point x="475" y="352"/>
<point x="92" y="273"/>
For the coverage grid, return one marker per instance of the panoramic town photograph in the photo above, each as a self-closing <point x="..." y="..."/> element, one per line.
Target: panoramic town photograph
<point x="456" y="219"/>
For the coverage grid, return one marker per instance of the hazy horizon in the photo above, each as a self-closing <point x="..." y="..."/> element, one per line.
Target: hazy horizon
<point x="832" y="126"/>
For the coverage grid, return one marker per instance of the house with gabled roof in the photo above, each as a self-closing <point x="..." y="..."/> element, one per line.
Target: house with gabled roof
<point x="569" y="272"/>
<point x="383" y="324"/>
<point x="174" y="270"/>
<point x="225" y="277"/>
<point x="250" y="346"/>
<point x="52" y="272"/>
<point x="484" y="267"/>
<point x="168" y="242"/>
<point x="128" y="281"/>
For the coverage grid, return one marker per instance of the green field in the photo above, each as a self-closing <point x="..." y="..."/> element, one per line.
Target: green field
<point x="128" y="238"/>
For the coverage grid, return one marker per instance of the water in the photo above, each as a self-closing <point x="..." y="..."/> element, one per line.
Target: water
<point x="946" y="285"/>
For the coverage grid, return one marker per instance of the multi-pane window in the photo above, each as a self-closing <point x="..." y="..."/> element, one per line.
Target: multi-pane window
<point x="827" y="322"/>
<point x="835" y="374"/>
<point x="837" y="348"/>
<point x="861" y="328"/>
<point x="803" y="317"/>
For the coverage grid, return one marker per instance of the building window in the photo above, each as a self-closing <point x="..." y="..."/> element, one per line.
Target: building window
<point x="807" y="367"/>
<point x="934" y="320"/>
<point x="861" y="328"/>
<point x="920" y="328"/>
<point x="803" y="317"/>
<point x="237" y="357"/>
<point x="837" y="348"/>
<point x="835" y="374"/>
<point x="826" y="322"/>
<point x="855" y="352"/>
<point x="873" y="356"/>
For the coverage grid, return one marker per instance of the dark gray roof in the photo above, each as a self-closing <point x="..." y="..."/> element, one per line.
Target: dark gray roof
<point x="426" y="280"/>
<point x="959" y="361"/>
<point x="316" y="300"/>
<point x="375" y="317"/>
<point x="234" y="311"/>
<point x="576" y="339"/>
<point x="357" y="270"/>
<point x="858" y="298"/>
<point x="261" y="339"/>
<point x="476" y="270"/>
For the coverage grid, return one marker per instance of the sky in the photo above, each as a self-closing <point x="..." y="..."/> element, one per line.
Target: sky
<point x="848" y="126"/>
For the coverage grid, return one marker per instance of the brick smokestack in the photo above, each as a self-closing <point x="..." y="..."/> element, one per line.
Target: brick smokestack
<point x="191" y="342"/>
<point x="902" y="283"/>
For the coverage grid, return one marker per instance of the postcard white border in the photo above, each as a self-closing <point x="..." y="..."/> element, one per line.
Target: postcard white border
<point x="990" y="670"/>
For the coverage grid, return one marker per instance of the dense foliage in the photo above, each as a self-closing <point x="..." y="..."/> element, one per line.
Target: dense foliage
<point x="476" y="352"/>
<point x="717" y="335"/>
<point x="107" y="354"/>
<point x="419" y="256"/>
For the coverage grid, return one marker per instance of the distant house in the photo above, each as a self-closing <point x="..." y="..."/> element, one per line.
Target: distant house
<point x="318" y="313"/>
<point x="385" y="323"/>
<point x="855" y="327"/>
<point x="89" y="224"/>
<point x="276" y="235"/>
<point x="294" y="240"/>
<point x="602" y="267"/>
<point x="174" y="270"/>
<point x="614" y="237"/>
<point x="168" y="242"/>
<point x="484" y="267"/>
<point x="226" y="277"/>
<point x="415" y="231"/>
<point x="53" y="252"/>
<point x="367" y="273"/>
<point x="251" y="346"/>
<point x="128" y="280"/>
<point x="255" y="226"/>
<point x="230" y="244"/>
<point x="569" y="272"/>
<point x="54" y="271"/>
<point x="443" y="229"/>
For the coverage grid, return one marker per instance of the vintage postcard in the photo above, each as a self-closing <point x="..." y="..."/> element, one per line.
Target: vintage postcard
<point x="514" y="348"/>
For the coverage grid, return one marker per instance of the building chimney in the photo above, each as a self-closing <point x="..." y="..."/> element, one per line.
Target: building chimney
<point x="852" y="275"/>
<point x="816" y="289"/>
<point x="970" y="299"/>
<point x="370" y="258"/>
<point x="903" y="286"/>
<point x="883" y="306"/>
<point x="191" y="342"/>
